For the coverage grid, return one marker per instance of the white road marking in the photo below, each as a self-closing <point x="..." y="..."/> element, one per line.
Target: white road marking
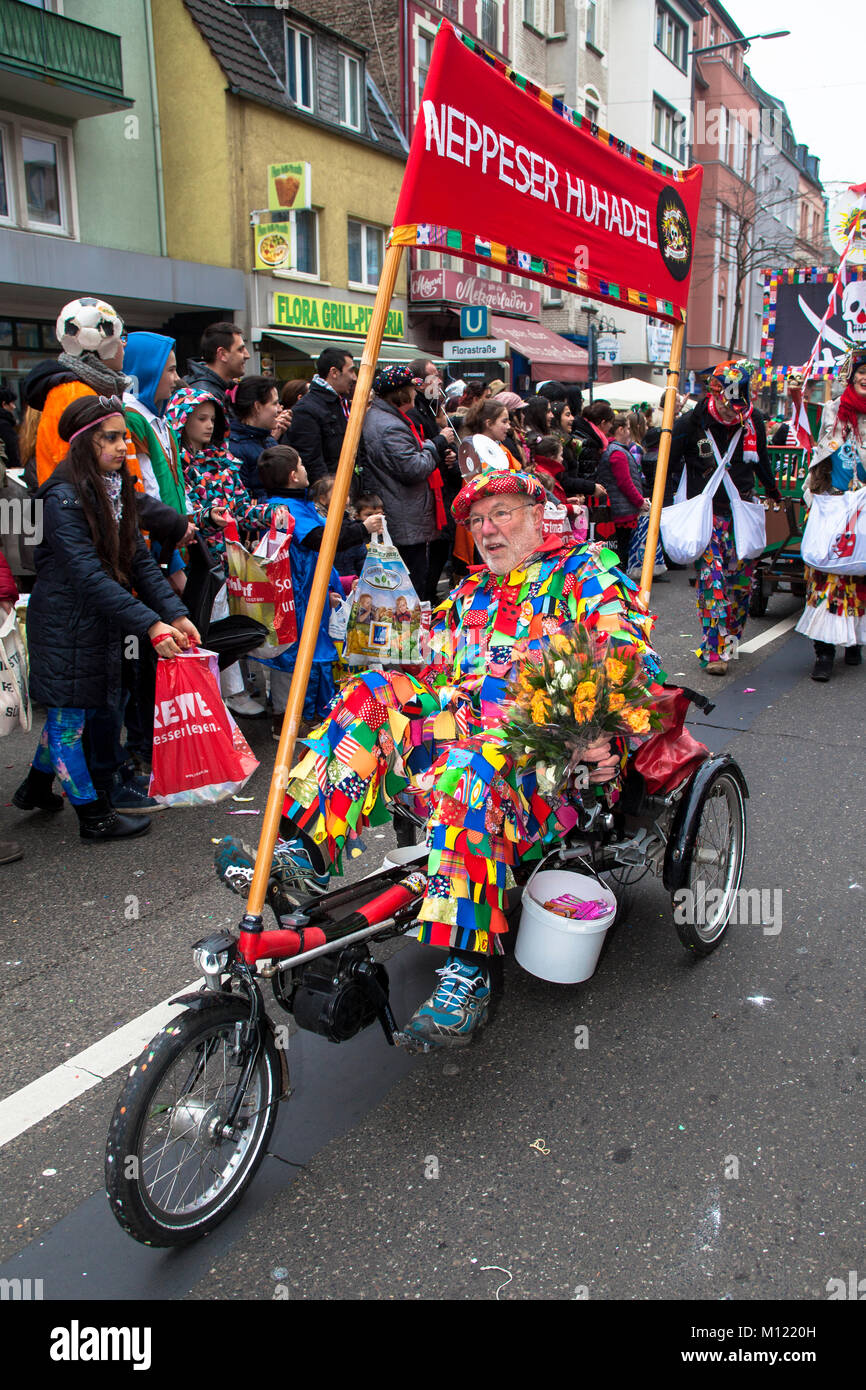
<point x="755" y="643"/>
<point x="34" y="1103"/>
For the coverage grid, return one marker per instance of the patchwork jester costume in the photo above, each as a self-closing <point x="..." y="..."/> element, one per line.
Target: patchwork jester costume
<point x="439" y="737"/>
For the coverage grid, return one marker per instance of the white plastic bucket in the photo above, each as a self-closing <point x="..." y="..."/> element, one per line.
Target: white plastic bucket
<point x="563" y="950"/>
<point x="406" y="854"/>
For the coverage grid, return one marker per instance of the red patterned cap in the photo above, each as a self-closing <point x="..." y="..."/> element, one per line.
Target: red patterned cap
<point x="495" y="482"/>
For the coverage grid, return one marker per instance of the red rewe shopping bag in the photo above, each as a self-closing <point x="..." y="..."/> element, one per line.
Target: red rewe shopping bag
<point x="260" y="582"/>
<point x="199" y="754"/>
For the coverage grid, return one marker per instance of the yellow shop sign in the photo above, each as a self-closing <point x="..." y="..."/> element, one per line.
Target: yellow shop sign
<point x="329" y="316"/>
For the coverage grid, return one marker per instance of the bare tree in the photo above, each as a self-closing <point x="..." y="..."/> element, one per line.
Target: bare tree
<point x="738" y="246"/>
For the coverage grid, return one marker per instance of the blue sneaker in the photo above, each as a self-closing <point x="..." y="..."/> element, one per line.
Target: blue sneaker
<point x="292" y="869"/>
<point x="452" y="1013"/>
<point x="129" y="795"/>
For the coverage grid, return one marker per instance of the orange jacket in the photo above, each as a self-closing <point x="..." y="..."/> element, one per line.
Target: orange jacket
<point x="51" y="449"/>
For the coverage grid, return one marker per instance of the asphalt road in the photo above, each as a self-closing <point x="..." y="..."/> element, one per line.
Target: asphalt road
<point x="705" y="1144"/>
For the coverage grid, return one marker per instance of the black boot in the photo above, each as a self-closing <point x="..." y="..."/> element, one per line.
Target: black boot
<point x="853" y="656"/>
<point x="825" y="654"/>
<point x="35" y="793"/>
<point x="98" y="820"/>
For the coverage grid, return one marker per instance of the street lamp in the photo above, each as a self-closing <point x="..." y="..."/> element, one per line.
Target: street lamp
<point x="591" y="312"/>
<point x="735" y="43"/>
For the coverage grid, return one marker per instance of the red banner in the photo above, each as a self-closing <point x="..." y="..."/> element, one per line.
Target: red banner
<point x="502" y="173"/>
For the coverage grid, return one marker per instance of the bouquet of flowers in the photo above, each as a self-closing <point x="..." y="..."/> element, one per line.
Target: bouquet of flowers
<point x="577" y="696"/>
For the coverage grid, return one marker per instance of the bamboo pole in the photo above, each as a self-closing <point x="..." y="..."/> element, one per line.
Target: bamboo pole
<point x="646" y="575"/>
<point x="318" y="595"/>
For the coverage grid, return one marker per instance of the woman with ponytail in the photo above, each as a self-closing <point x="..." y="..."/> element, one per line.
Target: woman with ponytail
<point x="83" y="611"/>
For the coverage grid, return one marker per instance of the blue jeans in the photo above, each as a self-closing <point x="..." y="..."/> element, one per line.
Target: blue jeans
<point x="61" y="750"/>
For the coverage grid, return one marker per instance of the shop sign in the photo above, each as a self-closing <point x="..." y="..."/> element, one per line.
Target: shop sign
<point x="659" y="339"/>
<point x="452" y="287"/>
<point x="306" y="314"/>
<point x="468" y="349"/>
<point x="289" y="185"/>
<point x="607" y="347"/>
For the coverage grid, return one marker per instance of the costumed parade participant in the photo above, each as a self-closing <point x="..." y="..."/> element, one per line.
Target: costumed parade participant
<point x="439" y="737"/>
<point x="723" y="427"/>
<point x="835" y="611"/>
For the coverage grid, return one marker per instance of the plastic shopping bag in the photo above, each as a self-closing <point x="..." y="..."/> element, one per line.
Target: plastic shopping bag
<point x="387" y="623"/>
<point x="637" y="546"/>
<point x="835" y="536"/>
<point x="15" y="711"/>
<point x="200" y="755"/>
<point x="260" y="583"/>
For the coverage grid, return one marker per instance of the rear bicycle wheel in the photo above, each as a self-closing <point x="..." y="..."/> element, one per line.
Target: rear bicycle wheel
<point x="714" y="858"/>
<point x="171" y="1172"/>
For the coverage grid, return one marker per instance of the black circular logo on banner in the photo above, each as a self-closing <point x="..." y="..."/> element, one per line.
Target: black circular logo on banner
<point x="674" y="233"/>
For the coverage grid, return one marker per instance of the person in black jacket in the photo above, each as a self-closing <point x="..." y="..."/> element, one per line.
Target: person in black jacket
<point x="91" y="558"/>
<point x="8" y="429"/>
<point x="723" y="419"/>
<point x="319" y="418"/>
<point x="258" y="423"/>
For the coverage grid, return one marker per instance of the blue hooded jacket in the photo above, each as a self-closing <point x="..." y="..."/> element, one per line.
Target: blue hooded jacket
<point x="303" y="568"/>
<point x="145" y="358"/>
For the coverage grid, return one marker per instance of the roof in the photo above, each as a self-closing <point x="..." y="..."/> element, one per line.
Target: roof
<point x="250" y="73"/>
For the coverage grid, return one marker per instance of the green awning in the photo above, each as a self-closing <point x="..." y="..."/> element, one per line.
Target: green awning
<point x="307" y="345"/>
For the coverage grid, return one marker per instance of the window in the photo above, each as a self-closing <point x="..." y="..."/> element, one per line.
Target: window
<point x="671" y="36"/>
<point x="350" y="92"/>
<point x="591" y="16"/>
<point x="529" y="13"/>
<point x="592" y="113"/>
<point x="366" y="252"/>
<point x="721" y="317"/>
<point x="299" y="67"/>
<point x="424" y="53"/>
<point x="557" y="16"/>
<point x="490" y="23"/>
<point x="306" y="242"/>
<point x="35" y="178"/>
<point x="668" y="129"/>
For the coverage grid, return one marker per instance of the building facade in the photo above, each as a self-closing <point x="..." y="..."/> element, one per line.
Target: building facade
<point x="81" y="206"/>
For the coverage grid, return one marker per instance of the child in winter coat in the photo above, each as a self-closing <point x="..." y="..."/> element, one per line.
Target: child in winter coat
<point x="96" y="584"/>
<point x="285" y="479"/>
<point x="621" y="475"/>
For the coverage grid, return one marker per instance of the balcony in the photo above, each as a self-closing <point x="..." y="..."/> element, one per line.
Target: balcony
<point x="56" y="65"/>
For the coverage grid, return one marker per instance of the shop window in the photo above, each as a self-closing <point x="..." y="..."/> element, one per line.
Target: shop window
<point x="366" y="253"/>
<point x="35" y="178"/>
<point x="350" y="92"/>
<point x="299" y="67"/>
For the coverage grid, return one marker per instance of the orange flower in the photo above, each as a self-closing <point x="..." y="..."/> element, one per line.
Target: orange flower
<point x="539" y="707"/>
<point x="560" y="643"/>
<point x="637" y="720"/>
<point x="586" y="691"/>
<point x="583" y="710"/>
<point x="615" y="670"/>
<point x="616" y="701"/>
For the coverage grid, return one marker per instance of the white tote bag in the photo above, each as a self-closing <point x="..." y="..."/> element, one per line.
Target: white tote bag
<point x="835" y="536"/>
<point x="750" y="523"/>
<point x="687" y="525"/>
<point x="15" y="709"/>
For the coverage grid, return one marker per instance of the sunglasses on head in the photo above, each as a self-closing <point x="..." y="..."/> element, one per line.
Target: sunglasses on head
<point x="112" y="403"/>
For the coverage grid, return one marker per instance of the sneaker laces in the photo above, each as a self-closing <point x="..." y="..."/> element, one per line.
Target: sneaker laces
<point x="455" y="985"/>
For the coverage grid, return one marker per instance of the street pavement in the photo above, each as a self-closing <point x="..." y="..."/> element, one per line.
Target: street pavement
<point x="704" y="1144"/>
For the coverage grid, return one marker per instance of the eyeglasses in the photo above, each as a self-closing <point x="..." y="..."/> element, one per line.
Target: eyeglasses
<point x="112" y="403"/>
<point x="500" y="517"/>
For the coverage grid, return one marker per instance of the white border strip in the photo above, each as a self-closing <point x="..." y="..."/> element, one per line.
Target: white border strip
<point x="34" y="1103"/>
<point x="755" y="643"/>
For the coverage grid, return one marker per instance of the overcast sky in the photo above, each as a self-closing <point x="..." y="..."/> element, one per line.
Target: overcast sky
<point x="818" y="72"/>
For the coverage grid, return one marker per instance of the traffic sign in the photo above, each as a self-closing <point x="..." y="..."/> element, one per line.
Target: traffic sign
<point x="472" y="348"/>
<point x="475" y="321"/>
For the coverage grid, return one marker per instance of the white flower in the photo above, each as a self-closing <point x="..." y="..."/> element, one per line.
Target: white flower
<point x="567" y="682"/>
<point x="559" y="668"/>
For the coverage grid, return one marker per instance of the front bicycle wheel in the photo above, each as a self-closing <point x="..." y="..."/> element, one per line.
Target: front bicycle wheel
<point x="714" y="860"/>
<point x="172" y="1171"/>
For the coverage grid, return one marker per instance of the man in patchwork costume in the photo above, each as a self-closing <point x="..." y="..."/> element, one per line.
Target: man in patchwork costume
<point x="438" y="737"/>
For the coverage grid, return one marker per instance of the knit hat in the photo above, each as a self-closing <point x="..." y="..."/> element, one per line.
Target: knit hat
<point x="510" y="400"/>
<point x="392" y="378"/>
<point x="731" y="381"/>
<point x="495" y="482"/>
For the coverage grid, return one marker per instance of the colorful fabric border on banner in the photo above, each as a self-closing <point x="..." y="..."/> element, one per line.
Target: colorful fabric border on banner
<point x="496" y="161"/>
<point x="793" y="275"/>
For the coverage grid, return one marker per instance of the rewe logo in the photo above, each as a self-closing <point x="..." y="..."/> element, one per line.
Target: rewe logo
<point x="77" y="1343"/>
<point x="855" y="1288"/>
<point x="182" y="708"/>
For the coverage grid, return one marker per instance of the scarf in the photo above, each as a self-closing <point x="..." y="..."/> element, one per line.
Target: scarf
<point x="320" y="381"/>
<point x="434" y="482"/>
<point x="750" y="441"/>
<point x="95" y="374"/>
<point x="113" y="483"/>
<point x="851" y="408"/>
